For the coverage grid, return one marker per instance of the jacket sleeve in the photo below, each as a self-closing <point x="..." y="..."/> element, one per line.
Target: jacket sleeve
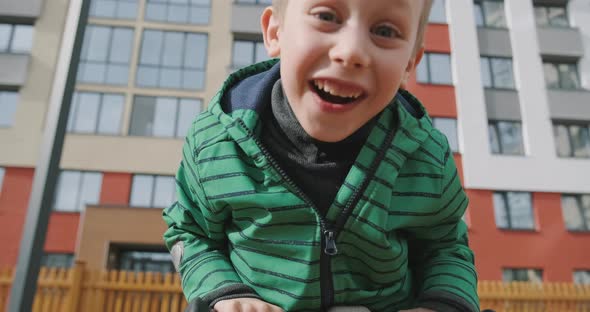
<point x="440" y="257"/>
<point x="197" y="241"/>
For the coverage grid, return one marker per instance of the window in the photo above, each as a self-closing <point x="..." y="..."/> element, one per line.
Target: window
<point x="174" y="60"/>
<point x="105" y="57"/>
<point x="75" y="190"/>
<point x="8" y="102"/>
<point x="435" y="68"/>
<point x="146" y="261"/>
<point x="117" y="9"/>
<point x="572" y="140"/>
<point x="2" y="172"/>
<point x="522" y="275"/>
<point x="496" y="72"/>
<point x="16" y="38"/>
<point x="268" y="2"/>
<point x="448" y="127"/>
<point x="247" y="52"/>
<point x="57" y="260"/>
<point x="181" y="12"/>
<point x="98" y="113"/>
<point x="506" y="137"/>
<point x="438" y="14"/>
<point x="513" y="210"/>
<point x="490" y="13"/>
<point x="576" y="212"/>
<point x="561" y="75"/>
<point x="582" y="277"/>
<point x="152" y="191"/>
<point x="554" y="16"/>
<point x="163" y="116"/>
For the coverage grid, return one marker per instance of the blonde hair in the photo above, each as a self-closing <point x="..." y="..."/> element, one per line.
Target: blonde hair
<point x="280" y="6"/>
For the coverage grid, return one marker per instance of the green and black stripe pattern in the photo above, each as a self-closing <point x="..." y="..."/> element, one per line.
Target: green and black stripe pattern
<point x="242" y="222"/>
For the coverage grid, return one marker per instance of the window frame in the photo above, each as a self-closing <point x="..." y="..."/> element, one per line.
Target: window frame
<point x="2" y="176"/>
<point x="11" y="37"/>
<point x="479" y="3"/>
<point x="75" y="105"/>
<point x="188" y="6"/>
<point x="178" y="102"/>
<point x="154" y="178"/>
<point x="555" y="65"/>
<point x="140" y="65"/>
<point x="585" y="214"/>
<point x="254" y="42"/>
<point x="427" y="61"/>
<point x="495" y="125"/>
<point x="16" y="104"/>
<point x="546" y="8"/>
<point x="493" y="77"/>
<point x="509" y="226"/>
<point x="514" y="271"/>
<point x="456" y="138"/>
<point x="568" y="126"/>
<point x="82" y="63"/>
<point x="79" y="190"/>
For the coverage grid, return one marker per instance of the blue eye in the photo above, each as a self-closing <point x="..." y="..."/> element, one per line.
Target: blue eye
<point x="384" y="31"/>
<point x="327" y="17"/>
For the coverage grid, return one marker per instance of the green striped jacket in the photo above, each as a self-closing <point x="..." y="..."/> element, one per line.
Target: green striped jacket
<point x="392" y="236"/>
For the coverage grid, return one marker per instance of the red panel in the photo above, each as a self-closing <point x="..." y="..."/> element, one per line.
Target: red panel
<point x="437" y="38"/>
<point x="116" y="188"/>
<point x="438" y="100"/>
<point x="14" y="201"/>
<point x="62" y="232"/>
<point x="543" y="249"/>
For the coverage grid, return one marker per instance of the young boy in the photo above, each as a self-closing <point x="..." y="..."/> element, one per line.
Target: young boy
<point x="317" y="181"/>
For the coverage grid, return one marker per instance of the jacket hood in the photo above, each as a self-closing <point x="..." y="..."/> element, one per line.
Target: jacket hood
<point x="247" y="93"/>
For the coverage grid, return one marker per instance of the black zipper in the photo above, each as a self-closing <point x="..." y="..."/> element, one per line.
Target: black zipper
<point x="330" y="233"/>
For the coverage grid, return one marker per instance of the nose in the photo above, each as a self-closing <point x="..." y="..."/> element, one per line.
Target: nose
<point x="351" y="48"/>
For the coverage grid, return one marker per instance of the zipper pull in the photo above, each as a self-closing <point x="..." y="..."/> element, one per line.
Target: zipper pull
<point x="330" y="248"/>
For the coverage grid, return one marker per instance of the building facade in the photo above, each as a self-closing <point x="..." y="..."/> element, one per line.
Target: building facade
<point x="508" y="82"/>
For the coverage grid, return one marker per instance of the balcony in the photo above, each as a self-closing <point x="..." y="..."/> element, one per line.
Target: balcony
<point x="494" y="41"/>
<point x="502" y="104"/>
<point x="569" y="104"/>
<point x="560" y="42"/>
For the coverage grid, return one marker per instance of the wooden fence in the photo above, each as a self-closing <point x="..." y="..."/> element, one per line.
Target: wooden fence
<point x="79" y="289"/>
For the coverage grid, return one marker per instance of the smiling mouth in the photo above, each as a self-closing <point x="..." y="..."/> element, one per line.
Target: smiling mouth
<point x="333" y="93"/>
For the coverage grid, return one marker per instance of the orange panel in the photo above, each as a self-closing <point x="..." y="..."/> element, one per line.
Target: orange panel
<point x="437" y="38"/>
<point x="62" y="231"/>
<point x="116" y="188"/>
<point x="542" y="249"/>
<point x="14" y="201"/>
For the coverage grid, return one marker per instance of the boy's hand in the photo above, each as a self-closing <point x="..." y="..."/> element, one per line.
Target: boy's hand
<point x="418" y="310"/>
<point x="245" y="305"/>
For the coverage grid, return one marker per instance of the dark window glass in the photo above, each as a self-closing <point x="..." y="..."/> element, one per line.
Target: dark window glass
<point x="497" y="72"/>
<point x="576" y="212"/>
<point x="96" y="113"/>
<point x="572" y="140"/>
<point x="505" y="137"/>
<point x="522" y="275"/>
<point x="163" y="116"/>
<point x="248" y="52"/>
<point x="448" y="127"/>
<point x="435" y="68"/>
<point x="438" y="13"/>
<point x="513" y="210"/>
<point x="57" y="260"/>
<point x="562" y="75"/>
<point x="582" y="277"/>
<point x="490" y="13"/>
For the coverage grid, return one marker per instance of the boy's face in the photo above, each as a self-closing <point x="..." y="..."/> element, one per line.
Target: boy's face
<point x="342" y="61"/>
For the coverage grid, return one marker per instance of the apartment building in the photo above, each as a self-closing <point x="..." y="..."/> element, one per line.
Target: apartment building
<point x="507" y="81"/>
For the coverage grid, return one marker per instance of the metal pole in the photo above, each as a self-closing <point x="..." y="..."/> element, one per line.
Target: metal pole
<point x="24" y="284"/>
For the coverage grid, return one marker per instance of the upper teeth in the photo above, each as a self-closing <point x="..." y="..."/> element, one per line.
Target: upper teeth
<point x="336" y="90"/>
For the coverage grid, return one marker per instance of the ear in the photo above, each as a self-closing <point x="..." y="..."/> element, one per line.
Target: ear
<point x="270" y="23"/>
<point x="411" y="67"/>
